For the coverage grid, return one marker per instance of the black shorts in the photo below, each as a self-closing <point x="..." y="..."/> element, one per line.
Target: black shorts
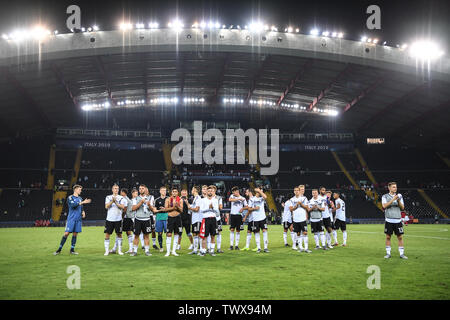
<point x="327" y="223"/>
<point x="300" y="227"/>
<point x="210" y="226"/>
<point x="219" y="225"/>
<point x="196" y="227"/>
<point x="152" y="222"/>
<point x="257" y="225"/>
<point x="127" y="224"/>
<point x="111" y="226"/>
<point x="341" y="224"/>
<point x="143" y="226"/>
<point x="317" y="226"/>
<point x="287" y="225"/>
<point x="390" y="228"/>
<point x="186" y="224"/>
<point x="174" y="225"/>
<point x="250" y="227"/>
<point x="235" y="221"/>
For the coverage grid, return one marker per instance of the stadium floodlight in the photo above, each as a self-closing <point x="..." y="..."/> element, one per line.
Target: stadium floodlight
<point x="83" y="29"/>
<point x="334" y="34"/>
<point x="89" y="29"/>
<point x="375" y="41"/>
<point x="266" y="28"/>
<point x="369" y="40"/>
<point x="153" y="25"/>
<point x="176" y="25"/>
<point x="273" y="28"/>
<point x="290" y="29"/>
<point x="297" y="30"/>
<point x="224" y="26"/>
<point x="239" y="27"/>
<point x="125" y="26"/>
<point x="39" y="32"/>
<point x="384" y="43"/>
<point x="325" y="33"/>
<point x="140" y="26"/>
<point x="95" y="27"/>
<point x="86" y="107"/>
<point x="340" y="35"/>
<point x="5" y="37"/>
<point x="425" y="50"/>
<point x="203" y="24"/>
<point x="314" y="32"/>
<point x="256" y="27"/>
<point x="363" y="39"/>
<point x="217" y="25"/>
<point x="404" y="46"/>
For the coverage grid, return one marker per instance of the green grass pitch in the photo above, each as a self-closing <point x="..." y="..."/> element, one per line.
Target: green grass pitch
<point x="28" y="270"/>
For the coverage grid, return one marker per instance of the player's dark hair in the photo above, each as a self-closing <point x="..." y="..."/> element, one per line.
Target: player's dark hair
<point x="320" y="188"/>
<point x="234" y="189"/>
<point x="77" y="186"/>
<point x="197" y="188"/>
<point x="142" y="185"/>
<point x="124" y="190"/>
<point x="134" y="190"/>
<point x="162" y="187"/>
<point x="391" y="183"/>
<point x="174" y="188"/>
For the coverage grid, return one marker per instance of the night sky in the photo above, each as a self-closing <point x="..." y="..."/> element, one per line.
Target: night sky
<point x="401" y="21"/>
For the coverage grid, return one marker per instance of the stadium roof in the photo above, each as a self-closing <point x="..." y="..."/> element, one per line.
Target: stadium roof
<point x="282" y="78"/>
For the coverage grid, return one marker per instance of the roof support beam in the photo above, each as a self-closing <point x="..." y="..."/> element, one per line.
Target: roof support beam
<point x="365" y="92"/>
<point x="324" y="92"/>
<point x="372" y="120"/>
<point x="256" y="77"/>
<point x="399" y="132"/>
<point x="226" y="63"/>
<point x="30" y="102"/>
<point x="106" y="79"/>
<point x="59" y="77"/>
<point x="293" y="81"/>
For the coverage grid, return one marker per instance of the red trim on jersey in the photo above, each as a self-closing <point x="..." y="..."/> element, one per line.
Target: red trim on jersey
<point x="202" y="229"/>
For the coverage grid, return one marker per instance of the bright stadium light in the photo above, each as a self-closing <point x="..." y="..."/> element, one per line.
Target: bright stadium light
<point x="125" y="26"/>
<point x="425" y="50"/>
<point x="314" y="32"/>
<point x="340" y="35"/>
<point x="363" y="39"/>
<point x="153" y="25"/>
<point x="273" y="28"/>
<point x="334" y="34"/>
<point x="404" y="46"/>
<point x="5" y="37"/>
<point x="86" y="107"/>
<point x="375" y="41"/>
<point x="95" y="27"/>
<point x="176" y="25"/>
<point x="256" y="27"/>
<point x="203" y="24"/>
<point x="140" y="26"/>
<point x="290" y="29"/>
<point x="325" y="33"/>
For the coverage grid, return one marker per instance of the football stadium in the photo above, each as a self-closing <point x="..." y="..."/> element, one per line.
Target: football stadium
<point x="193" y="159"/>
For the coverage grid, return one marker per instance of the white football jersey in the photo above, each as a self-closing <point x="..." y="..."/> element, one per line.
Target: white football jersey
<point x="205" y="210"/>
<point x="315" y="216"/>
<point x="326" y="212"/>
<point x="340" y="213"/>
<point x="219" y="199"/>
<point x="236" y="206"/>
<point x="114" y="213"/>
<point x="299" y="214"/>
<point x="287" y="214"/>
<point x="260" y="214"/>
<point x="196" y="216"/>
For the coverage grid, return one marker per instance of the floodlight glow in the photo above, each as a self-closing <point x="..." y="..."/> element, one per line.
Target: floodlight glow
<point x="273" y="28"/>
<point x="140" y="26"/>
<point x="375" y="41"/>
<point x="125" y="26"/>
<point x="95" y="27"/>
<point x="289" y="29"/>
<point x="325" y="33"/>
<point x="5" y="37"/>
<point x="425" y="50"/>
<point x="314" y="32"/>
<point x="369" y="40"/>
<point x="364" y="39"/>
<point x="340" y="35"/>
<point x="86" y="107"/>
<point x="256" y="26"/>
<point x="203" y="24"/>
<point x="177" y="25"/>
<point x="404" y="46"/>
<point x="297" y="30"/>
<point x="334" y="34"/>
<point x="153" y="25"/>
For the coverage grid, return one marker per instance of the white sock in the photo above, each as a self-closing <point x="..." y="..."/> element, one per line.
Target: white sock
<point x="119" y="244"/>
<point x="305" y="241"/>
<point x="130" y="241"/>
<point x="168" y="243"/>
<point x="106" y="245"/>
<point x="388" y="250"/>
<point x="135" y="248"/>
<point x="147" y="248"/>
<point x="249" y="238"/>
<point x="232" y="238"/>
<point x="285" y="237"/>
<point x="300" y="239"/>
<point x="238" y="237"/>
<point x="200" y="243"/>
<point x="294" y="238"/>
<point x="175" y="242"/>
<point x="328" y="237"/>
<point x="195" y="243"/>
<point x="219" y="241"/>
<point x="212" y="246"/>
<point x="154" y="241"/>
<point x="344" y="235"/>
<point x="316" y="239"/>
<point x="266" y="239"/>
<point x="401" y="250"/>
<point x="208" y="241"/>
<point x="335" y="236"/>
<point x="141" y="236"/>
<point x="115" y="244"/>
<point x="322" y="238"/>
<point x="258" y="240"/>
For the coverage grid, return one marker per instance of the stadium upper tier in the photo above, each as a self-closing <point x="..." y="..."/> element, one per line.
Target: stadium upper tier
<point x="281" y="79"/>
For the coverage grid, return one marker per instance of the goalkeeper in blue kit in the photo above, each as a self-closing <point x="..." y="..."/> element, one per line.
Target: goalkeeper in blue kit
<point x="73" y="224"/>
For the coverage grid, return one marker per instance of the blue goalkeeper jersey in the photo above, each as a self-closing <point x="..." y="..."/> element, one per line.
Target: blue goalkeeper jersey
<point x="75" y="208"/>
